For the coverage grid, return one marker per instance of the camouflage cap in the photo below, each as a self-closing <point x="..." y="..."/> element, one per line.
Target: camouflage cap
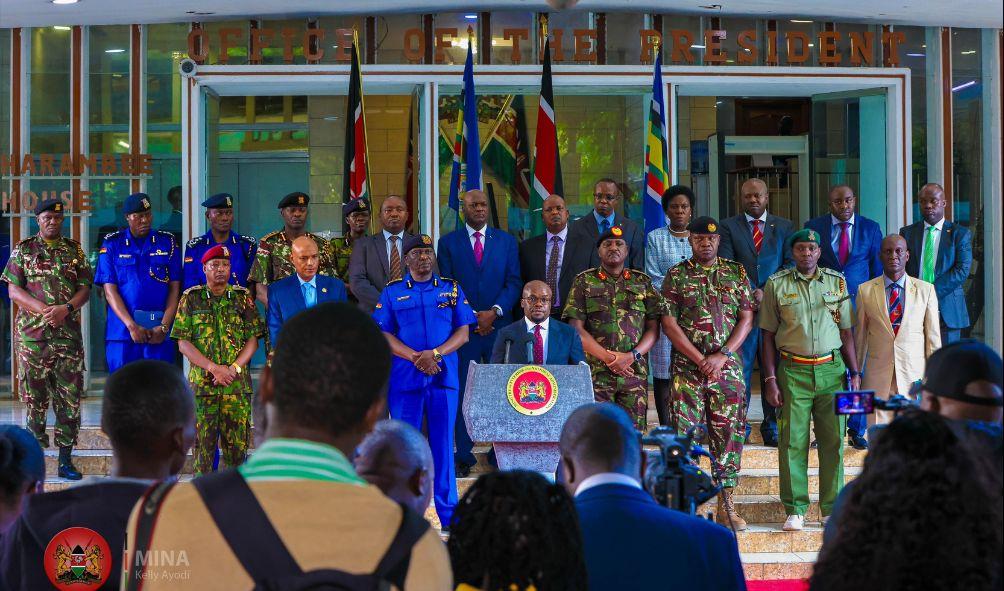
<point x="803" y="235"/>
<point x="354" y="206"/>
<point x="136" y="203"/>
<point x="703" y="225"/>
<point x="616" y="232"/>
<point x="295" y="199"/>
<point x="55" y="205"/>
<point x="416" y="241"/>
<point x="220" y="251"/>
<point x="219" y="201"/>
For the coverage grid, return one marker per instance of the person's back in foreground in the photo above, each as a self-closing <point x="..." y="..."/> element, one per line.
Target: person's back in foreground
<point x="148" y="414"/>
<point x="630" y="541"/>
<point x="925" y="513"/>
<point x="515" y="531"/>
<point x="324" y="391"/>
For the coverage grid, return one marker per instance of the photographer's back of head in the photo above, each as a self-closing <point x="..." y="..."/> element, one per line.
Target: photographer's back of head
<point x="328" y="378"/>
<point x="148" y="412"/>
<point x="963" y="382"/>
<point x="599" y="438"/>
<point x="922" y="515"/>
<point x="22" y="471"/>
<point x="396" y="458"/>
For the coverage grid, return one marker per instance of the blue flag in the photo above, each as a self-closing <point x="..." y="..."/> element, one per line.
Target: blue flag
<point x="466" y="174"/>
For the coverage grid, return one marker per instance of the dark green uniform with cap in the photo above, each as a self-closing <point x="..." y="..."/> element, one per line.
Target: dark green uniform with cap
<point x="340" y="248"/>
<point x="806" y="315"/>
<point x="706" y="302"/>
<point x="614" y="310"/>
<point x="272" y="259"/>
<point x="50" y="360"/>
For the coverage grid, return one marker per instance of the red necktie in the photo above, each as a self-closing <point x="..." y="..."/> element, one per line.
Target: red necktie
<point x="895" y="307"/>
<point x="479" y="248"/>
<point x="757" y="236"/>
<point x="844" y="249"/>
<point x="538" y="346"/>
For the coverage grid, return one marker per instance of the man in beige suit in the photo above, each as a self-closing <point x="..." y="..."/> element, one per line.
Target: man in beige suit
<point x="898" y="326"/>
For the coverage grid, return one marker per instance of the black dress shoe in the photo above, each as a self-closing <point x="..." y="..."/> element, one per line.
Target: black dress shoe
<point x="66" y="468"/>
<point x="463" y="469"/>
<point x="859" y="442"/>
<point x="769" y="439"/>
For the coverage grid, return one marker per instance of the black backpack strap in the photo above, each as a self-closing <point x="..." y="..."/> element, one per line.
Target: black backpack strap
<point x="393" y="567"/>
<point x="150" y="505"/>
<point x="245" y="526"/>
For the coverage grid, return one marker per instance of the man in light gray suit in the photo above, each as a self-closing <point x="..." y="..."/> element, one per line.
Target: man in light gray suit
<point x="756" y="240"/>
<point x="378" y="259"/>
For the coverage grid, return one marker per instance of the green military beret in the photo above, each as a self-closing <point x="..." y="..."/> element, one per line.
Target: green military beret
<point x="804" y="235"/>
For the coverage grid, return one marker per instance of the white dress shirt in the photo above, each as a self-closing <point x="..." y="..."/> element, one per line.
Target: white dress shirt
<point x="400" y="246"/>
<point x="935" y="242"/>
<point x="606" y="478"/>
<point x="543" y="335"/>
<point x="471" y="231"/>
<point x="750" y="219"/>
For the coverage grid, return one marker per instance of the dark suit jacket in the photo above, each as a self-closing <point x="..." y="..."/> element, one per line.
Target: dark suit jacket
<point x="866" y="241"/>
<point x="285" y="299"/>
<point x="496" y="282"/>
<point x="369" y="269"/>
<point x="951" y="267"/>
<point x="576" y="259"/>
<point x="703" y="555"/>
<point x="737" y="244"/>
<point x="633" y="235"/>
<point x="564" y="346"/>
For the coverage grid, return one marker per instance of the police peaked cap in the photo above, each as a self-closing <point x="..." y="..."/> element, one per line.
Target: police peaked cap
<point x="416" y="241"/>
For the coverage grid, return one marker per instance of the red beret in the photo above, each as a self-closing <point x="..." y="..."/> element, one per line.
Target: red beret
<point x="217" y="252"/>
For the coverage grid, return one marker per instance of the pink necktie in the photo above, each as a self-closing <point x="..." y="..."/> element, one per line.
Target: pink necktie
<point x="845" y="244"/>
<point x="479" y="249"/>
<point x="538" y="346"/>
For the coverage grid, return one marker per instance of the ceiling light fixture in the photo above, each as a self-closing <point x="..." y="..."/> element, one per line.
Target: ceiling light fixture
<point x="61" y="28"/>
<point x="963" y="85"/>
<point x="970" y="52"/>
<point x="795" y="20"/>
<point x="115" y="50"/>
<point x="65" y="1"/>
<point x="471" y="17"/>
<point x="697" y="47"/>
<point x="915" y="55"/>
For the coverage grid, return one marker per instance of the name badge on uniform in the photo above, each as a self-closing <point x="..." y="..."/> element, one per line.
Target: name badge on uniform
<point x="125" y="256"/>
<point x="404" y="297"/>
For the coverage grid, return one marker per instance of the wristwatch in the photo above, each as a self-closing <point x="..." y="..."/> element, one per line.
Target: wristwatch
<point x="165" y="328"/>
<point x="724" y="350"/>
<point x="237" y="368"/>
<point x="637" y="356"/>
<point x="437" y="355"/>
<point x="69" y="308"/>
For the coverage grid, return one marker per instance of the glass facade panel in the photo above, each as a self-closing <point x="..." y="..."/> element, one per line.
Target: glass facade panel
<point x="165" y="48"/>
<point x="753" y="45"/>
<point x="339" y="44"/>
<point x="399" y="39"/>
<point x="673" y="28"/>
<point x="106" y="217"/>
<point x="451" y="37"/>
<point x="49" y="80"/>
<point x="518" y="27"/>
<point x="623" y="38"/>
<point x="272" y="41"/>
<point x="968" y="162"/>
<point x="565" y="48"/>
<point x="913" y="55"/>
<point x="235" y="36"/>
<point x="108" y="86"/>
<point x="5" y="69"/>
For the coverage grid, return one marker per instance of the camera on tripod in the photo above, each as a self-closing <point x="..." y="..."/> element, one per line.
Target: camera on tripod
<point x="864" y="402"/>
<point x="673" y="475"/>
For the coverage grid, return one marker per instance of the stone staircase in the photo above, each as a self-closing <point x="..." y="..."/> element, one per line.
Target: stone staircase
<point x="767" y="552"/>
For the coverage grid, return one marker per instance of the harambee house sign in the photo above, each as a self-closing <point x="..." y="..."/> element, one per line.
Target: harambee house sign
<point x="575" y="45"/>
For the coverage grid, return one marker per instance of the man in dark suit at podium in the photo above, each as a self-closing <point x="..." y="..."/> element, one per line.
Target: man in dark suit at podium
<point x="538" y="338"/>
<point x="303" y="289"/>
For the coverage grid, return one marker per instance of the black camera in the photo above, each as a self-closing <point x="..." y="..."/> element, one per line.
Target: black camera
<point x="864" y="402"/>
<point x="672" y="474"/>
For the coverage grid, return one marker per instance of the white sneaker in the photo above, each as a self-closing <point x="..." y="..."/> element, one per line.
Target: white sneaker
<point x="794" y="523"/>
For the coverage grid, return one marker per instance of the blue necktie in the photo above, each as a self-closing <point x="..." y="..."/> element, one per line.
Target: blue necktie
<point x="309" y="295"/>
<point x="604" y="226"/>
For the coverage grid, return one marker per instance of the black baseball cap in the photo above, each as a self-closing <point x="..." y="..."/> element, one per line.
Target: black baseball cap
<point x="953" y="367"/>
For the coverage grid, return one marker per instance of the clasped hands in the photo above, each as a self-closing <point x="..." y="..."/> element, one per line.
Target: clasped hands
<point x="426" y="362"/>
<point x="141" y="336"/>
<point x="55" y="316"/>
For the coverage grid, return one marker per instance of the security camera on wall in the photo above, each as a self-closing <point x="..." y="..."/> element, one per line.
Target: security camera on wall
<point x="187" y="67"/>
<point x="562" y="4"/>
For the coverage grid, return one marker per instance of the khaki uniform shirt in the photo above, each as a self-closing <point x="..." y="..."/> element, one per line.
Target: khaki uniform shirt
<point x="806" y="314"/>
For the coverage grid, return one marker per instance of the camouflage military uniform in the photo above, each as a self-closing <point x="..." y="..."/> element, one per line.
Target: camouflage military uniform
<point x="614" y="311"/>
<point x="706" y="302"/>
<point x="50" y="360"/>
<point x="271" y="262"/>
<point x="339" y="253"/>
<point x="219" y="326"/>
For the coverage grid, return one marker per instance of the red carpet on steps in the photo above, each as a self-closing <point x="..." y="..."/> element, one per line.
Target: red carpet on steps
<point x="778" y="585"/>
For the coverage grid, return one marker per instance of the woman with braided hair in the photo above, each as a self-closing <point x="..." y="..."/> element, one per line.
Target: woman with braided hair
<point x="515" y="531"/>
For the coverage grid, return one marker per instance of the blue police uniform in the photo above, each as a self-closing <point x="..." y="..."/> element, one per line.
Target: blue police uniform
<point x="423" y="316"/>
<point x="142" y="270"/>
<point x="242" y="253"/>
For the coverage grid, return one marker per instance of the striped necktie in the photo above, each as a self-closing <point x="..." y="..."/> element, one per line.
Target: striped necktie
<point x="395" y="260"/>
<point x="757" y="235"/>
<point x="895" y="306"/>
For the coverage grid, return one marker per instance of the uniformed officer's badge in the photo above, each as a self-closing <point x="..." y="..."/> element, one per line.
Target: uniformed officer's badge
<point x="790" y="295"/>
<point x="448" y="298"/>
<point x="324" y="290"/>
<point x="229" y="204"/>
<point x="299" y="200"/>
<point x="226" y="252"/>
<point x="602" y="275"/>
<point x="404" y="297"/>
<point x="813" y="236"/>
<point x="532" y="390"/>
<point x="57" y="207"/>
<point x="379" y="305"/>
<point x="426" y="240"/>
<point x="627" y="274"/>
<point x="616" y="231"/>
<point x="103" y="250"/>
<point x="145" y="203"/>
<point x="362" y="205"/>
<point x="188" y="259"/>
<point x="712" y="228"/>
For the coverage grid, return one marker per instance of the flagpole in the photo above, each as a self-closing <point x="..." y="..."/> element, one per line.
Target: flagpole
<point x="362" y="113"/>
